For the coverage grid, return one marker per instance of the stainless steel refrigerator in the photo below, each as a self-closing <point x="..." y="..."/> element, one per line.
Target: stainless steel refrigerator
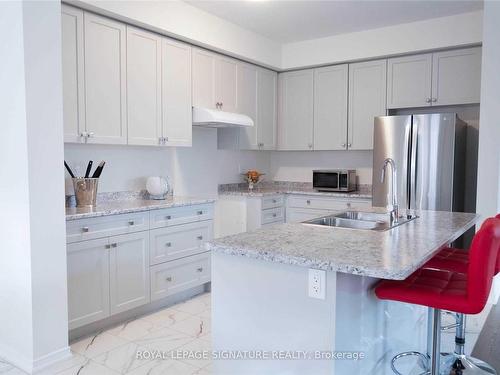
<point x="429" y="153"/>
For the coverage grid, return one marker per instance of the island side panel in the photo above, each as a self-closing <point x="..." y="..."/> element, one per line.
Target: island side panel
<point x="259" y="305"/>
<point x="379" y="329"/>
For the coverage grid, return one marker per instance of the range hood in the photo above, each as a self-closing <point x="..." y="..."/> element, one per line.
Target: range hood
<point x="213" y="118"/>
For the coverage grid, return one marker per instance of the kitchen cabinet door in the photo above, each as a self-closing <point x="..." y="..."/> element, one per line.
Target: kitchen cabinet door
<point x="73" y="74"/>
<point x="456" y="76"/>
<point x="105" y="80"/>
<point x="129" y="271"/>
<point x="176" y="88"/>
<point x="367" y="99"/>
<point x="330" y="107"/>
<point x="267" y="88"/>
<point x="247" y="103"/>
<point x="295" y="117"/>
<point x="204" y="79"/>
<point x="226" y="78"/>
<point x="409" y="81"/>
<point x="143" y="87"/>
<point x="88" y="282"/>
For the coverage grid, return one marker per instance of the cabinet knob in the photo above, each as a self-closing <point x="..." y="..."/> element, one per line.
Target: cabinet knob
<point x="199" y="212"/>
<point x="199" y="269"/>
<point x="168" y="217"/>
<point x="310" y="145"/>
<point x="160" y="140"/>
<point x="274" y="215"/>
<point x="349" y="204"/>
<point x="428" y="100"/>
<point x="165" y="139"/>
<point x="308" y="201"/>
<point x="434" y="100"/>
<point x="343" y="144"/>
<point x="131" y="222"/>
<point x="274" y="200"/>
<point x="83" y="134"/>
<point x="168" y="278"/>
<point x="90" y="134"/>
<point x="114" y="244"/>
<point x="200" y="237"/>
<point x="348" y="145"/>
<point x="168" y="244"/>
<point x="107" y="246"/>
<point x="85" y="229"/>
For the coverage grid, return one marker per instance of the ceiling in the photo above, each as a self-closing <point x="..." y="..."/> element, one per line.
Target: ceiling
<point x="287" y="21"/>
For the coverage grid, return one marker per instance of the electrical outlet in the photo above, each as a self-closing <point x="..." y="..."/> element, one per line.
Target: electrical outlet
<point x="317" y="283"/>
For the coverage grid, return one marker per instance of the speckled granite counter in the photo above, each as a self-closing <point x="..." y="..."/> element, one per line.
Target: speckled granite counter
<point x="122" y="206"/>
<point x="391" y="254"/>
<point x="290" y="188"/>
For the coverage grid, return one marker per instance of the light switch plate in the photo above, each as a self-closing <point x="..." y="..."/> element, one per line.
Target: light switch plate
<point x="317" y="283"/>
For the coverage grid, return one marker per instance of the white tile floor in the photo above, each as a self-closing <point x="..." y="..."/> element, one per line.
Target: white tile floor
<point x="185" y="326"/>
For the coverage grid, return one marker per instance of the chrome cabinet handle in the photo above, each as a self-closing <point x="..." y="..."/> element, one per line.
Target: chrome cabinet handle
<point x="348" y="204"/>
<point x="348" y="145"/>
<point x="168" y="244"/>
<point x="85" y="229"/>
<point x="168" y="217"/>
<point x="310" y="145"/>
<point x="343" y="144"/>
<point x="434" y="100"/>
<point x="107" y="246"/>
<point x="114" y="244"/>
<point x="274" y="215"/>
<point x="199" y="212"/>
<point x="168" y="278"/>
<point x="131" y="222"/>
<point x="199" y="269"/>
<point x="428" y="100"/>
<point x="90" y="134"/>
<point x="308" y="201"/>
<point x="200" y="237"/>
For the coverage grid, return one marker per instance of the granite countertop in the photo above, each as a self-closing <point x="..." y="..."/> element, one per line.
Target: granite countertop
<point x="290" y="188"/>
<point x="123" y="206"/>
<point x="392" y="254"/>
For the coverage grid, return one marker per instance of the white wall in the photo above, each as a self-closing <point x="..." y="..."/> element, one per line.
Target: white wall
<point x="488" y="193"/>
<point x="33" y="295"/>
<point x="183" y="21"/>
<point x="457" y="30"/>
<point x="298" y="165"/>
<point x="195" y="170"/>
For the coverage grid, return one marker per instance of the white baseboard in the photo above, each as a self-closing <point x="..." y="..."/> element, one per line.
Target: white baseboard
<point x="29" y="365"/>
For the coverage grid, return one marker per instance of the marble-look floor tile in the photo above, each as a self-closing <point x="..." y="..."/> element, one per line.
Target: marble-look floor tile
<point x="194" y="306"/>
<point x="89" y="368"/>
<point x="165" y="339"/>
<point x="195" y="326"/>
<point x="5" y="366"/>
<point x="164" y="367"/>
<point x="133" y="330"/>
<point x="100" y="343"/>
<point x="200" y="349"/>
<point x="165" y="318"/>
<point x="122" y="359"/>
<point x="75" y="360"/>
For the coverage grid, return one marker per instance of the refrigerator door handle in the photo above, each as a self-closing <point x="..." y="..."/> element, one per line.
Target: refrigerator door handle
<point x="406" y="167"/>
<point x="413" y="166"/>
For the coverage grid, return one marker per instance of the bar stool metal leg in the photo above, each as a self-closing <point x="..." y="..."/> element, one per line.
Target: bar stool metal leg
<point x="436" y="341"/>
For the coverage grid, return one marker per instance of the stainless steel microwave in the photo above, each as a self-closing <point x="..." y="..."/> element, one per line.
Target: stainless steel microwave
<point x="334" y="180"/>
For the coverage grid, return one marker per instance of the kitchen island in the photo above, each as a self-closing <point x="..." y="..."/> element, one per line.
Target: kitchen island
<point x="261" y="304"/>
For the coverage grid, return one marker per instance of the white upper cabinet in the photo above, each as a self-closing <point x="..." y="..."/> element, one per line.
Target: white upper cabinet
<point x="143" y="87"/>
<point x="295" y="116"/>
<point x="226" y="74"/>
<point x="177" y="121"/>
<point x="409" y="81"/>
<point x="204" y="79"/>
<point x="73" y="74"/>
<point x="367" y="99"/>
<point x="456" y="76"/>
<point x="440" y="78"/>
<point x="330" y="108"/>
<point x="105" y="80"/>
<point x="267" y="94"/>
<point x="247" y="103"/>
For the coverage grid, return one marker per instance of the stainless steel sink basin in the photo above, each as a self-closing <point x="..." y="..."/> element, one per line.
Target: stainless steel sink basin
<point x="360" y="220"/>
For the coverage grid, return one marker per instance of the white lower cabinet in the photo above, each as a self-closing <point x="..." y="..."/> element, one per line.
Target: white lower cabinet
<point x="129" y="271"/>
<point x="88" y="281"/>
<point x="115" y="263"/>
<point x="172" y="277"/>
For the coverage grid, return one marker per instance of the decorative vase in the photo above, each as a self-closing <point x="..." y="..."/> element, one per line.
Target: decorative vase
<point x="157" y="187"/>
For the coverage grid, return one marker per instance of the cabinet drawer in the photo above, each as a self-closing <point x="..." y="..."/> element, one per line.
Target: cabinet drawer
<point x="179" y="241"/>
<point x="178" y="275"/>
<point x="272" y="215"/>
<point x="272" y="201"/>
<point x="180" y="215"/>
<point x="324" y="203"/>
<point x="104" y="226"/>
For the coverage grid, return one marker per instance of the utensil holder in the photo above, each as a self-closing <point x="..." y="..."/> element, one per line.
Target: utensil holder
<point x="85" y="191"/>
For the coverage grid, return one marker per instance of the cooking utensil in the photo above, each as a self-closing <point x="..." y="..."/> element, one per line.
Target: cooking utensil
<point x="69" y="169"/>
<point x="89" y="167"/>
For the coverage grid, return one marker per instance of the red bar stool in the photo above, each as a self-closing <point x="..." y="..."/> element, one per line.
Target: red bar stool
<point x="457" y="260"/>
<point x="441" y="289"/>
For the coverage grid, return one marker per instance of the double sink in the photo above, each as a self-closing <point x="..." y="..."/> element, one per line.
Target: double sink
<point x="361" y="220"/>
